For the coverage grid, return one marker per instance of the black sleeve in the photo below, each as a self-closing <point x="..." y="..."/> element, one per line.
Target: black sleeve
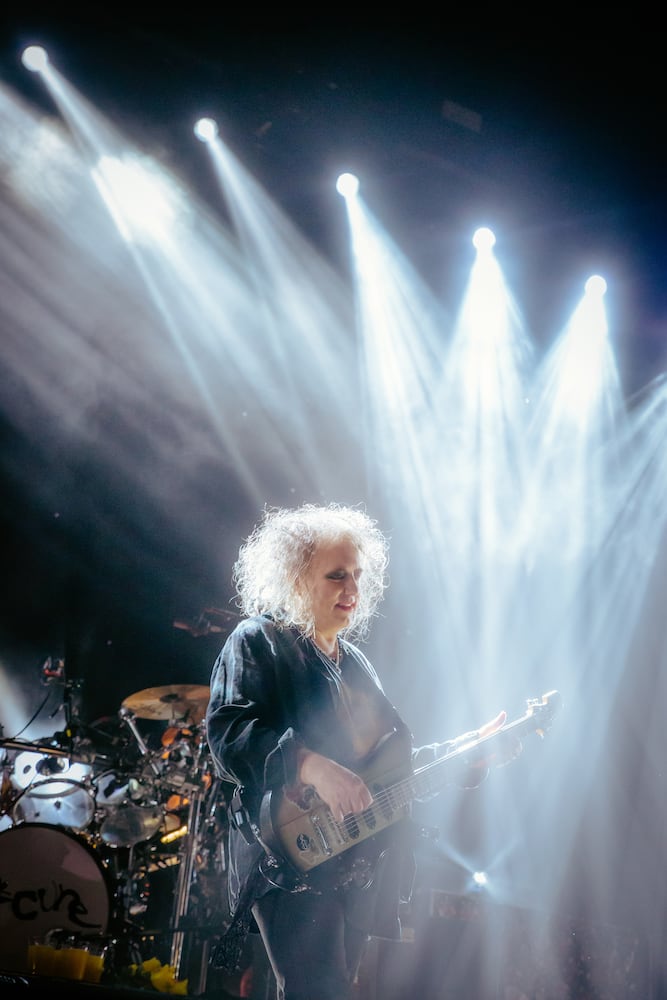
<point x="246" y="735"/>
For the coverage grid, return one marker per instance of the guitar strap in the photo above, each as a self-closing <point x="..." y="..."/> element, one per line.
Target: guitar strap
<point x="240" y="817"/>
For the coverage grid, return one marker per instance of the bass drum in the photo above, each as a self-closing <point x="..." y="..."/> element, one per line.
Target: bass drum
<point x="49" y="878"/>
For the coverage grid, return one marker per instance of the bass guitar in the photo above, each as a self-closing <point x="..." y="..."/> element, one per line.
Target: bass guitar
<point x="299" y="831"/>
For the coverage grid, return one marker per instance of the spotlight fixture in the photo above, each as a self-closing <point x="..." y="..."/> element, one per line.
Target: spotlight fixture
<point x="206" y="130"/>
<point x="35" y="58"/>
<point x="483" y="238"/>
<point x="347" y="185"/>
<point x="479" y="879"/>
<point x="596" y="285"/>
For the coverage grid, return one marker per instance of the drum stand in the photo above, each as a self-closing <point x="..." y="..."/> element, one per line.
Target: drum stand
<point x="190" y="849"/>
<point x="184" y="880"/>
<point x="177" y="704"/>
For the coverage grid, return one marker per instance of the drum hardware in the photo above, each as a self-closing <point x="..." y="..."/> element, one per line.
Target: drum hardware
<point x="71" y="703"/>
<point x="165" y="861"/>
<point x="133" y="887"/>
<point x="121" y="785"/>
<point x="79" y="754"/>
<point x="131" y="801"/>
<point x="127" y="717"/>
<point x="129" y="812"/>
<point x="181" y="764"/>
<point x="178" y="747"/>
<point x="7" y="791"/>
<point x="184" y="880"/>
<point x="203" y="624"/>
<point x="198" y="856"/>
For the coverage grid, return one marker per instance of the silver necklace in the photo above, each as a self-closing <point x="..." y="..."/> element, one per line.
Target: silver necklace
<point x="333" y="661"/>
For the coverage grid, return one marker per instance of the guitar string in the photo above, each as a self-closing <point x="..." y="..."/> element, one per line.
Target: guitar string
<point x="385" y="796"/>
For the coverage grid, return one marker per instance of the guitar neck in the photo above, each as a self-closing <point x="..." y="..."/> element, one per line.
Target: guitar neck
<point x="438" y="774"/>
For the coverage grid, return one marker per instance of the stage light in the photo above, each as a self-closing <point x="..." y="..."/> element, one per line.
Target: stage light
<point x="596" y="285"/>
<point x="483" y="239"/>
<point x="35" y="58"/>
<point x="206" y="130"/>
<point x="479" y="879"/>
<point x="347" y="185"/>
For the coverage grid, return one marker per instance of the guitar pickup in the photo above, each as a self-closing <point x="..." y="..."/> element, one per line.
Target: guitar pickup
<point x="369" y="818"/>
<point x="352" y="827"/>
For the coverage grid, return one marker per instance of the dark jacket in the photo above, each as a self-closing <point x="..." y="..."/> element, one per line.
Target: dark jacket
<point x="271" y="693"/>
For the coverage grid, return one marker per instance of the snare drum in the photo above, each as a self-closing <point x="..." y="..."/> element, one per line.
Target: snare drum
<point x="49" y="878"/>
<point x="62" y="803"/>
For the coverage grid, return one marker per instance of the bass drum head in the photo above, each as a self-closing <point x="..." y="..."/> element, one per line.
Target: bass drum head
<point x="49" y="878"/>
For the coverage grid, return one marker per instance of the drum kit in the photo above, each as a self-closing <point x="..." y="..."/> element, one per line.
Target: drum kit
<point x="89" y="816"/>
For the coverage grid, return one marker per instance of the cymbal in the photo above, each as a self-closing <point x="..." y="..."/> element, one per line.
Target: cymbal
<point x="174" y="701"/>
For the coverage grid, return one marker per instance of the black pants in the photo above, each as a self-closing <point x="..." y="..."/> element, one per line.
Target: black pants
<point x="313" y="950"/>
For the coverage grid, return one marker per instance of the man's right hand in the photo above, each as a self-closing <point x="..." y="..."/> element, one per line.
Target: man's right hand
<point x="342" y="790"/>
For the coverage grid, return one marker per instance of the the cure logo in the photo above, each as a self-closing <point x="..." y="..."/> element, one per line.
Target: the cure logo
<point x="28" y="904"/>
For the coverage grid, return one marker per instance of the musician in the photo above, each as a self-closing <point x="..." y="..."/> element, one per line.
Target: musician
<point x="294" y="703"/>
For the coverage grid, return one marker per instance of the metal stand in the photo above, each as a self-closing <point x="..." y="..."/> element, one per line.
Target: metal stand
<point x="184" y="880"/>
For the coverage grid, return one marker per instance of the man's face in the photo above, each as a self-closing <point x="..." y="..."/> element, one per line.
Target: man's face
<point x="332" y="584"/>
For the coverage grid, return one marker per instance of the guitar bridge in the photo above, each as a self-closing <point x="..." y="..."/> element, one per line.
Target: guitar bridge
<point x="319" y="830"/>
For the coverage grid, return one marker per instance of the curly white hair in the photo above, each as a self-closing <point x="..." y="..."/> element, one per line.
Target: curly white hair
<point x="278" y="551"/>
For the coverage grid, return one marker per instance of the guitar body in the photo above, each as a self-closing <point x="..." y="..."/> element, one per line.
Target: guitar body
<point x="300" y="828"/>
